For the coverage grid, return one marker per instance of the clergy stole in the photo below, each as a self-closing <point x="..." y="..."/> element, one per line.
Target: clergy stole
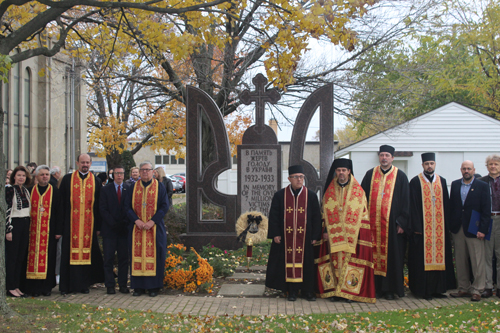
<point x="38" y="250"/>
<point x="144" y="203"/>
<point x="345" y="260"/>
<point x="433" y="213"/>
<point x="295" y="233"/>
<point x="379" y="207"/>
<point x="82" y="218"/>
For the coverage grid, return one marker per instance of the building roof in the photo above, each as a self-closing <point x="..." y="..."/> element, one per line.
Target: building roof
<point x="452" y="127"/>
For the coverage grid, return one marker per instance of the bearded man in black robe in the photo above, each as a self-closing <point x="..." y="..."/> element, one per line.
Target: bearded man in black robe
<point x="430" y="262"/>
<point x="387" y="192"/>
<point x="294" y="227"/>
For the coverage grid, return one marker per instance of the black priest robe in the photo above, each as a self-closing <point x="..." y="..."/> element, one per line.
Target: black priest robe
<point x="426" y="283"/>
<point x="45" y="286"/>
<point x="276" y="275"/>
<point x="393" y="282"/>
<point x="78" y="278"/>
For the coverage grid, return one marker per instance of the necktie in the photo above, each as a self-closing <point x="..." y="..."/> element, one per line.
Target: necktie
<point x="119" y="193"/>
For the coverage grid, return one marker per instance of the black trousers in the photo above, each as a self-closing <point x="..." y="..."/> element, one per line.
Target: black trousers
<point x="16" y="252"/>
<point x="120" y="246"/>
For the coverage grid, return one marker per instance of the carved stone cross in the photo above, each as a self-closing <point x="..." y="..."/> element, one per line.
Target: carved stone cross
<point x="260" y="96"/>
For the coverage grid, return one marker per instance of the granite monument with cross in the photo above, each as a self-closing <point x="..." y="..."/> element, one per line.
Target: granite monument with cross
<point x="259" y="160"/>
<point x="259" y="155"/>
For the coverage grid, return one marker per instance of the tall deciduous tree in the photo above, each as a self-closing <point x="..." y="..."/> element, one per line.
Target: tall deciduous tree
<point x="42" y="27"/>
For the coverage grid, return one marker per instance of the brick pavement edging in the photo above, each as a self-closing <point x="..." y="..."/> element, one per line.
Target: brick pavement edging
<point x="215" y="306"/>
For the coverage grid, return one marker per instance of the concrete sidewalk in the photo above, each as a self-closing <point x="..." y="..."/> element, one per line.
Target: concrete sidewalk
<point x="215" y="306"/>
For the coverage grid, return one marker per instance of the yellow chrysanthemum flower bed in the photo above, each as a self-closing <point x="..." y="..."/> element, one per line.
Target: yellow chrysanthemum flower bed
<point x="178" y="275"/>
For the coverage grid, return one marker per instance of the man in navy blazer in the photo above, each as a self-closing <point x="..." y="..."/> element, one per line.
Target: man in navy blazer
<point x="468" y="194"/>
<point x="114" y="231"/>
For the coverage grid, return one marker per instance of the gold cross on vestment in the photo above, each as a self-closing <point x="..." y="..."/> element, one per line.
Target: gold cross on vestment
<point x="289" y="209"/>
<point x="299" y="249"/>
<point x="301" y="210"/>
<point x="290" y="250"/>
<point x="138" y="244"/>
<point x="300" y="230"/>
<point x="289" y="229"/>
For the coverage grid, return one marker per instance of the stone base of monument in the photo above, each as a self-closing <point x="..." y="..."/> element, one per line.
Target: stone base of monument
<point x="256" y="269"/>
<point x="242" y="290"/>
<point x="225" y="241"/>
<point x="257" y="277"/>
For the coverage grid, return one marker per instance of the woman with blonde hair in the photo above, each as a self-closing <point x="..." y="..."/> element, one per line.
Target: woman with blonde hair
<point x="160" y="175"/>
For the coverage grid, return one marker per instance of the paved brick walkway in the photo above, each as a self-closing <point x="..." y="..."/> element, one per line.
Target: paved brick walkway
<point x="214" y="306"/>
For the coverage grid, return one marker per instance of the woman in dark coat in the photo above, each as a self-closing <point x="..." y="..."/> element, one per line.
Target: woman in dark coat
<point x="17" y="230"/>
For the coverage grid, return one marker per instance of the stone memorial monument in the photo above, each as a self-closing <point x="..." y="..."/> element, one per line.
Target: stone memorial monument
<point x="259" y="161"/>
<point x="259" y="155"/>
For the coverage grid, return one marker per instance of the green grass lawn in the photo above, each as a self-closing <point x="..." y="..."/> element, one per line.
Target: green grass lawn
<point x="47" y="316"/>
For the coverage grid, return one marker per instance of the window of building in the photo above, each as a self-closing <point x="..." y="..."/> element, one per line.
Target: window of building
<point x="168" y="159"/>
<point x="235" y="159"/>
<point x="5" y="106"/>
<point x="27" y="111"/>
<point x="16" y="112"/>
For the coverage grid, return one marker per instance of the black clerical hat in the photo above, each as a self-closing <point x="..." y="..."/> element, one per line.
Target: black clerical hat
<point x="428" y="157"/>
<point x="386" y="149"/>
<point x="342" y="163"/>
<point x="295" y="169"/>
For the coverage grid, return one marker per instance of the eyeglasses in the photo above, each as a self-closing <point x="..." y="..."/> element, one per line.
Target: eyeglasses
<point x="146" y="170"/>
<point x="297" y="177"/>
<point x="119" y="173"/>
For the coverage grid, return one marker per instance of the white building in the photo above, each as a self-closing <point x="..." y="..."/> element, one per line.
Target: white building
<point x="454" y="132"/>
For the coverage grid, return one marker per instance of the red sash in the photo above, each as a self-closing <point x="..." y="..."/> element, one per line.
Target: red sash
<point x="144" y="203"/>
<point x="39" y="233"/>
<point x="295" y="233"/>
<point x="82" y="218"/>
<point x="433" y="213"/>
<point x="382" y="190"/>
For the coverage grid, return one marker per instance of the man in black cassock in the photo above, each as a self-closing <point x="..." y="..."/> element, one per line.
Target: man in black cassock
<point x="36" y="284"/>
<point x="141" y="281"/>
<point x="79" y="277"/>
<point x="430" y="271"/>
<point x="387" y="187"/>
<point x="294" y="227"/>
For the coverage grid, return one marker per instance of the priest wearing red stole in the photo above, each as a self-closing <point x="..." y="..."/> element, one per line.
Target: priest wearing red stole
<point x="387" y="191"/>
<point x="430" y="262"/>
<point x="81" y="259"/>
<point x="294" y="227"/>
<point x="345" y="258"/>
<point x="45" y="230"/>
<point x="146" y="204"/>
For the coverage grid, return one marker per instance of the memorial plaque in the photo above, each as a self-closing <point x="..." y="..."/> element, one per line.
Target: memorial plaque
<point x="259" y="176"/>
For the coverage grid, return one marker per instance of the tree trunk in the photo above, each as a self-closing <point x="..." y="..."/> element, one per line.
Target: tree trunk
<point x="5" y="309"/>
<point x="114" y="159"/>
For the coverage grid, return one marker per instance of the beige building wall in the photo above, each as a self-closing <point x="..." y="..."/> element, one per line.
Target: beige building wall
<point x="36" y="113"/>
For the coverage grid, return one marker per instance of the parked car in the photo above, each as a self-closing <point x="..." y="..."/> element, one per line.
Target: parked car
<point x="182" y="179"/>
<point x="183" y="174"/>
<point x="176" y="184"/>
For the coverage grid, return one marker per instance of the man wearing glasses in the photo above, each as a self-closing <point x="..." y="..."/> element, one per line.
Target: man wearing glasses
<point x="114" y="230"/>
<point x="294" y="227"/>
<point x="146" y="205"/>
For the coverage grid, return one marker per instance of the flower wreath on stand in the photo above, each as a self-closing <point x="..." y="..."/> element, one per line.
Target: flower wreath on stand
<point x="251" y="229"/>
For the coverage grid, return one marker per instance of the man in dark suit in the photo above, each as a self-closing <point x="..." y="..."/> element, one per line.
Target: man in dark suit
<point x="468" y="194"/>
<point x="114" y="231"/>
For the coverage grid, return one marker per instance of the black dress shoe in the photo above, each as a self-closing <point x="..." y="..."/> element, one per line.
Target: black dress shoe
<point x="85" y="291"/>
<point x="63" y="293"/>
<point x="487" y="293"/>
<point x="311" y="297"/>
<point x="35" y="294"/>
<point x="24" y="295"/>
<point x="439" y="296"/>
<point x="138" y="292"/>
<point x="48" y="293"/>
<point x="153" y="293"/>
<point x="292" y="296"/>
<point x="334" y="299"/>
<point x="124" y="290"/>
<point x="389" y="296"/>
<point x="111" y="291"/>
<point x="428" y="298"/>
